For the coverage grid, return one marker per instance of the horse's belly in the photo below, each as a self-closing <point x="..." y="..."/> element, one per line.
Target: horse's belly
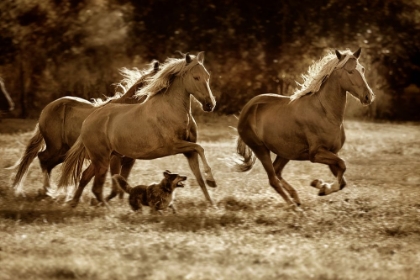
<point x="290" y="150"/>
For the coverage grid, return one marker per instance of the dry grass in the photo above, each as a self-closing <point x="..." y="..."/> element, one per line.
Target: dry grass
<point x="370" y="230"/>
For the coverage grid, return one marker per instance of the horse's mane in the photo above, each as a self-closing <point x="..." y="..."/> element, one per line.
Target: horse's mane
<point x="130" y="78"/>
<point x="319" y="72"/>
<point x="162" y="80"/>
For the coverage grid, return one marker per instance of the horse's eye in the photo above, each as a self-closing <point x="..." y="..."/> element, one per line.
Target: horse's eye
<point x="350" y="72"/>
<point x="197" y="78"/>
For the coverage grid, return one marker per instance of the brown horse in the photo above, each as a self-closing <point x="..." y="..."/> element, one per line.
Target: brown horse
<point x="6" y="102"/>
<point x="306" y="126"/>
<point x="161" y="126"/>
<point x="59" y="127"/>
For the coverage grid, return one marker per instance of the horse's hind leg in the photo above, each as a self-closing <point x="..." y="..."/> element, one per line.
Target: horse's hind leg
<point x="98" y="183"/>
<point x="126" y="166"/>
<point x="115" y="168"/>
<point x="86" y="177"/>
<point x="120" y="166"/>
<point x="263" y="154"/>
<point x="195" y="168"/>
<point x="279" y="163"/>
<point x="49" y="159"/>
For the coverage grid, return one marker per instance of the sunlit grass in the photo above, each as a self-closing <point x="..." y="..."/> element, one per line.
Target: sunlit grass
<point x="369" y="230"/>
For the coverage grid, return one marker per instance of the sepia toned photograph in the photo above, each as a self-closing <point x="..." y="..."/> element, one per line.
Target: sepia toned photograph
<point x="156" y="139"/>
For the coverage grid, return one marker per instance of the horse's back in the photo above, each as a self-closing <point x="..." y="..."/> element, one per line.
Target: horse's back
<point x="60" y="121"/>
<point x="254" y="106"/>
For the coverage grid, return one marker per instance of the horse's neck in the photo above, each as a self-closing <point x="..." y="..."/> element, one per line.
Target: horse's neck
<point x="332" y="99"/>
<point x="176" y="97"/>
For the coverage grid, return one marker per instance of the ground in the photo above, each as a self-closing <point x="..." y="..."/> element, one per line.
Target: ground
<point x="369" y="230"/>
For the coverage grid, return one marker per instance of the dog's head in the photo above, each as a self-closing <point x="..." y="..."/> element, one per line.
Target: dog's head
<point x="174" y="180"/>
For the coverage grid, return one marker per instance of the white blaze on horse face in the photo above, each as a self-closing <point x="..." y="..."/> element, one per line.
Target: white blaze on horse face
<point x="358" y="86"/>
<point x="197" y="84"/>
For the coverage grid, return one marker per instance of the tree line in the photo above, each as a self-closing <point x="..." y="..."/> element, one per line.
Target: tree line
<point x="52" y="48"/>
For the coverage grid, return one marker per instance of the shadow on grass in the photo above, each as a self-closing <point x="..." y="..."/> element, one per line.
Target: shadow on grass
<point x="191" y="222"/>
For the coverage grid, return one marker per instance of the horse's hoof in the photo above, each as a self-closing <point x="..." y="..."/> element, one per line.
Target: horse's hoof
<point x="211" y="184"/>
<point x="73" y="204"/>
<point x="317" y="183"/>
<point x="321" y="193"/>
<point x="94" y="202"/>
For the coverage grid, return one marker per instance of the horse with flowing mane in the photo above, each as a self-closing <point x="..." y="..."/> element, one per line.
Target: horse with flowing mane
<point x="6" y="102"/>
<point x="161" y="126"/>
<point x="59" y="127"/>
<point x="305" y="126"/>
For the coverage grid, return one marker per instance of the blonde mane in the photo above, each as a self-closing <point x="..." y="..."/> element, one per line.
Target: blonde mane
<point x="319" y="72"/>
<point x="162" y="80"/>
<point x="130" y="78"/>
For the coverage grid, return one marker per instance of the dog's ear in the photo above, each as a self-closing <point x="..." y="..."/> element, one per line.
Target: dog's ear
<point x="166" y="174"/>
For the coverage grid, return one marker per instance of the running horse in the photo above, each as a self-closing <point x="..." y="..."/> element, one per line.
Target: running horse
<point x="59" y="127"/>
<point x="160" y="126"/>
<point x="305" y="126"/>
<point x="6" y="102"/>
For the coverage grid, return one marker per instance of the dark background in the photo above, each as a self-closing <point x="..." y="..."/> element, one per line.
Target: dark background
<point x="51" y="48"/>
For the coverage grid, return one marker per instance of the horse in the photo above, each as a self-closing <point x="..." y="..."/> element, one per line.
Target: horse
<point x="161" y="126"/>
<point x="305" y="126"/>
<point x="6" y="102"/>
<point x="59" y="127"/>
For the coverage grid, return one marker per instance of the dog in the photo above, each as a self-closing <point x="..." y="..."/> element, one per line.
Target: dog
<point x="158" y="196"/>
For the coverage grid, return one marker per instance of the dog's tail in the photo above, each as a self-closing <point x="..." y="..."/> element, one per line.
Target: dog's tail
<point x="122" y="183"/>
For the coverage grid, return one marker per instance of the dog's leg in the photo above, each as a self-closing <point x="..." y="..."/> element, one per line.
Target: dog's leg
<point x="173" y="208"/>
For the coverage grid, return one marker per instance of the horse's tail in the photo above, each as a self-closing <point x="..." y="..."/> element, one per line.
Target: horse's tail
<point x="248" y="158"/>
<point x="122" y="183"/>
<point x="73" y="164"/>
<point x="34" y="146"/>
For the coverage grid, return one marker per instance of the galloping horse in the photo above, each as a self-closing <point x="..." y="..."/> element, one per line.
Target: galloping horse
<point x="59" y="127"/>
<point x="160" y="126"/>
<point x="6" y="102"/>
<point x="306" y="126"/>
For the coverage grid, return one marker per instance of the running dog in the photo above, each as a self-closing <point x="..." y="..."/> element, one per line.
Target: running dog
<point x="158" y="196"/>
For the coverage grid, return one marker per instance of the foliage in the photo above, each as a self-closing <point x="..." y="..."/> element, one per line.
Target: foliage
<point x="74" y="47"/>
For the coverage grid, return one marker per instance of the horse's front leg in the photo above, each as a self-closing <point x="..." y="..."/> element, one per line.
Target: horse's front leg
<point x="195" y="168"/>
<point x="337" y="166"/>
<point x="185" y="147"/>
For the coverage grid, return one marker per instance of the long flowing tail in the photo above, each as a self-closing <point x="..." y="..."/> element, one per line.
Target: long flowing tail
<point x="248" y="158"/>
<point x="73" y="164"/>
<point x="34" y="146"/>
<point x="122" y="183"/>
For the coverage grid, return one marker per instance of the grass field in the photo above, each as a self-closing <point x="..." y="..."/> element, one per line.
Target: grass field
<point x="369" y="230"/>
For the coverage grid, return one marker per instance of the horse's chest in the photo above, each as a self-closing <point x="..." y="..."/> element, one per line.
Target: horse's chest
<point x="333" y="141"/>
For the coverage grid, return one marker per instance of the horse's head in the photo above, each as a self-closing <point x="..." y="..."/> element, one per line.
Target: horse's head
<point x="352" y="78"/>
<point x="196" y="82"/>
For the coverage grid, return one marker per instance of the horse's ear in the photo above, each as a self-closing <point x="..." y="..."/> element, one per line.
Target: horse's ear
<point x="357" y="53"/>
<point x="200" y="57"/>
<point x="187" y="58"/>
<point x="339" y="55"/>
<point x="156" y="66"/>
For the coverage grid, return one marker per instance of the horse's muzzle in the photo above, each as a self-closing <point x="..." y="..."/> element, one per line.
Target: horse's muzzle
<point x="208" y="107"/>
<point x="368" y="98"/>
